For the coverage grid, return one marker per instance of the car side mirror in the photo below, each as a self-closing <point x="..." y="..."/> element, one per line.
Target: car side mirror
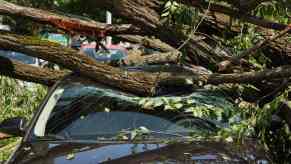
<point x="14" y="126"/>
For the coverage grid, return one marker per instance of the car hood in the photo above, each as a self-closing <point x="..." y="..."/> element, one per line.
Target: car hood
<point x="76" y="153"/>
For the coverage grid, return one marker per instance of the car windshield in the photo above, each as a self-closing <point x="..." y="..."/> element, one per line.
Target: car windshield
<point x="18" y="56"/>
<point x="79" y="109"/>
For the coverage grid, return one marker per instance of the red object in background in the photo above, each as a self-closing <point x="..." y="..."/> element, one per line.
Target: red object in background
<point x="89" y="45"/>
<point x="4" y="136"/>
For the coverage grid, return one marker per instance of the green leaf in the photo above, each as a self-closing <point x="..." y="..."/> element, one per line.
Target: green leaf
<point x="168" y="107"/>
<point x="70" y="156"/>
<point x="178" y="106"/>
<point x="149" y="104"/>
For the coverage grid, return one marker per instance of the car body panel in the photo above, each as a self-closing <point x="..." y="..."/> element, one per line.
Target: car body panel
<point x="85" y="153"/>
<point x="145" y="151"/>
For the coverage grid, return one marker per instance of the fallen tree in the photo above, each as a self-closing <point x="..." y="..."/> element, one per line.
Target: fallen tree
<point x="140" y="83"/>
<point x="68" y="24"/>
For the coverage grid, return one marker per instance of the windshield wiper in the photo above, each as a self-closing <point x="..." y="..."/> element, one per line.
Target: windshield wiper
<point x="52" y="137"/>
<point x="142" y="131"/>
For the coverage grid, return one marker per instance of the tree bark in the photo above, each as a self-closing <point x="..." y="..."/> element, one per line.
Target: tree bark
<point x="135" y="82"/>
<point x="136" y="57"/>
<point x="139" y="83"/>
<point x="29" y="73"/>
<point x="68" y="24"/>
<point x="148" y="42"/>
<point x="145" y="14"/>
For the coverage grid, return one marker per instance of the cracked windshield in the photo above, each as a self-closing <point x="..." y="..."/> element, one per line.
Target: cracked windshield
<point x="81" y="110"/>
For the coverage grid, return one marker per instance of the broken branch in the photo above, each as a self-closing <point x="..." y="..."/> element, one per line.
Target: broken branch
<point x="236" y="59"/>
<point x="68" y="24"/>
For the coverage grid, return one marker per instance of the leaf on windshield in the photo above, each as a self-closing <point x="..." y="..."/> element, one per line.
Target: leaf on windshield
<point x="178" y="106"/>
<point x="144" y="130"/>
<point x="107" y="110"/>
<point x="133" y="134"/>
<point x="148" y="105"/>
<point x="70" y="156"/>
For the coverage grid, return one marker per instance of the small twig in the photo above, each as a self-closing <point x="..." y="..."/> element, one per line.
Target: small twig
<point x="262" y="44"/>
<point x="186" y="41"/>
<point x="195" y="28"/>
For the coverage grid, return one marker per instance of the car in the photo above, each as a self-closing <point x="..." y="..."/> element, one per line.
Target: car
<point x="82" y="121"/>
<point x="21" y="57"/>
<point x="113" y="53"/>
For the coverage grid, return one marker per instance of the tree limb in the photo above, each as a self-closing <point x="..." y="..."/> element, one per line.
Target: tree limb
<point x="68" y="24"/>
<point x="29" y="73"/>
<point x="140" y="83"/>
<point x="135" y="82"/>
<point x="148" y="42"/>
<point x="136" y="57"/>
<point x="236" y="59"/>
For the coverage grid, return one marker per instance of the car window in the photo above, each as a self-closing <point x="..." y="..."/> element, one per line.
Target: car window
<point x="18" y="56"/>
<point x="84" y="110"/>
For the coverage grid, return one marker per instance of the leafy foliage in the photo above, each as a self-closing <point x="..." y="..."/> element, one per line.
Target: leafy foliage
<point x="17" y="100"/>
<point x="177" y="14"/>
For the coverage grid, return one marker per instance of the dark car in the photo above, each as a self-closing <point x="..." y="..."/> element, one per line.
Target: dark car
<point x="83" y="122"/>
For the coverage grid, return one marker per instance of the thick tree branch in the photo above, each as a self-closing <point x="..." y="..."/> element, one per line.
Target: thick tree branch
<point x="136" y="82"/>
<point x="246" y="77"/>
<point x="148" y="42"/>
<point x="136" y="57"/>
<point x="140" y="83"/>
<point x="69" y="24"/>
<point x="29" y="73"/>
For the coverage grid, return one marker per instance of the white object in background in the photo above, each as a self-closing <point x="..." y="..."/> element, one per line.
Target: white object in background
<point x="108" y="21"/>
<point x="2" y="26"/>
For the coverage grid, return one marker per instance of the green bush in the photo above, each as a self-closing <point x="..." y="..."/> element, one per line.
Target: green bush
<point x="17" y="99"/>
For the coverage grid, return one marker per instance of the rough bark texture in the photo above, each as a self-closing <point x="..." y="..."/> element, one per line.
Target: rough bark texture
<point x="139" y="83"/>
<point x="145" y="14"/>
<point x="69" y="24"/>
<point x="135" y="82"/>
<point x="246" y="77"/>
<point x="136" y="57"/>
<point x="148" y="42"/>
<point x="26" y="72"/>
<point x="139" y="12"/>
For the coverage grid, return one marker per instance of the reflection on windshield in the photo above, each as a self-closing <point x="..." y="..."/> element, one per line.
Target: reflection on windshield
<point x="83" y="110"/>
<point x="18" y="56"/>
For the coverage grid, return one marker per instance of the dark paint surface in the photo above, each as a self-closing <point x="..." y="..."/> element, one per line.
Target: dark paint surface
<point x="85" y="153"/>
